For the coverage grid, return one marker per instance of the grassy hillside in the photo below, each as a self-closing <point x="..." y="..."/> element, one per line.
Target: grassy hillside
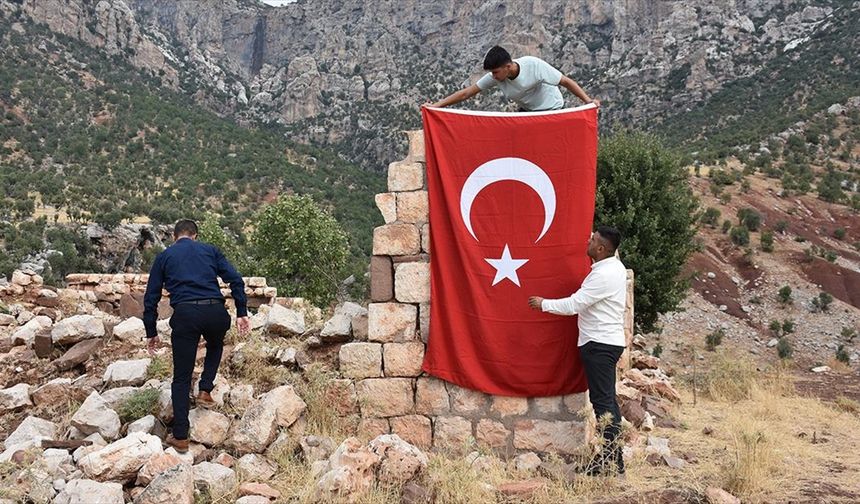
<point x="792" y="86"/>
<point x="93" y="137"/>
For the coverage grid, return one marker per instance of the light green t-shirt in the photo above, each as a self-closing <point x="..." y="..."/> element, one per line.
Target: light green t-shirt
<point x="535" y="88"/>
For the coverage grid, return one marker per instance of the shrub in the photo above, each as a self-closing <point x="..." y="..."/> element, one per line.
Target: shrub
<point x="783" y="348"/>
<point x="781" y="226"/>
<point x="839" y="233"/>
<point x="848" y="334"/>
<point x="842" y="355"/>
<point x="139" y="404"/>
<point x="822" y="302"/>
<point x="749" y="218"/>
<point x="775" y="327"/>
<point x="787" y="326"/>
<point x="300" y="248"/>
<point x="714" y="339"/>
<point x="767" y="241"/>
<point x="727" y="224"/>
<point x="657" y="351"/>
<point x="740" y="236"/>
<point x="643" y="190"/>
<point x="784" y="294"/>
<point x="831" y="256"/>
<point x="710" y="216"/>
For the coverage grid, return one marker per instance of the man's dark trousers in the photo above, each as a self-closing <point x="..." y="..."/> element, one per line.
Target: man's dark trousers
<point x="599" y="361"/>
<point x="189" y="322"/>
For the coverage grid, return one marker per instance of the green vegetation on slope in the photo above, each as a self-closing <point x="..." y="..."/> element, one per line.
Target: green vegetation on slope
<point x="791" y="87"/>
<point x="100" y="140"/>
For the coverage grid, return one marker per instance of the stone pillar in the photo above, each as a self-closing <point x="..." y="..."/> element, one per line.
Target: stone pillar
<point x="624" y="361"/>
<point x="392" y="393"/>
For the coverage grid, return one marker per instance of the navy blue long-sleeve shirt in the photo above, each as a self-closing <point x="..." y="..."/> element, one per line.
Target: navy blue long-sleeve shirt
<point x="189" y="271"/>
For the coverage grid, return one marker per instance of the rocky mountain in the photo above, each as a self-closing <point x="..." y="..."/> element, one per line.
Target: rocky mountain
<point x="351" y="74"/>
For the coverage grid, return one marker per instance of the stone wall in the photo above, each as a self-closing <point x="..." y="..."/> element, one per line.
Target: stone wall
<point x="383" y="374"/>
<point x="123" y="293"/>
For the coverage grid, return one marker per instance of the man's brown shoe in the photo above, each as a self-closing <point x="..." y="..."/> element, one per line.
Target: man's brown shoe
<point x="205" y="400"/>
<point x="180" y="445"/>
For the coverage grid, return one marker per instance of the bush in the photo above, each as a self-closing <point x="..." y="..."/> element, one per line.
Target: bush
<point x="749" y="218"/>
<point x="643" y="190"/>
<point x="139" y="404"/>
<point x="784" y="294"/>
<point x="767" y="241"/>
<point x="787" y="326"/>
<point x="710" y="217"/>
<point x="839" y="233"/>
<point x="783" y="348"/>
<point x="727" y="224"/>
<point x="842" y="355"/>
<point x="211" y="232"/>
<point x="848" y="334"/>
<point x="657" y="351"/>
<point x="714" y="339"/>
<point x="822" y="302"/>
<point x="300" y="248"/>
<point x="740" y="236"/>
<point x="775" y="327"/>
<point x="781" y="226"/>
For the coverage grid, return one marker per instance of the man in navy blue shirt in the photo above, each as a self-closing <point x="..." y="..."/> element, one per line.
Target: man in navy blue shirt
<point x="189" y="271"/>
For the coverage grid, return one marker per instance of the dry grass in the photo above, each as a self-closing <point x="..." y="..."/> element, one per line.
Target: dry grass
<point x="255" y="367"/>
<point x="848" y="405"/>
<point x="160" y="367"/>
<point x="762" y="448"/>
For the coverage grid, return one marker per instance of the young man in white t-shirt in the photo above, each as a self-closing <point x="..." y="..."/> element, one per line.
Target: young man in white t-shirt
<point x="529" y="81"/>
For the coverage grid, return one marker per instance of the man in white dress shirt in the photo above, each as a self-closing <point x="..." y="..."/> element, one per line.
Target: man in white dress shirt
<point x="599" y="302"/>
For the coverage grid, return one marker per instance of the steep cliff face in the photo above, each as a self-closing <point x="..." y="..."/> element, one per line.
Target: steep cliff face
<point x="351" y="72"/>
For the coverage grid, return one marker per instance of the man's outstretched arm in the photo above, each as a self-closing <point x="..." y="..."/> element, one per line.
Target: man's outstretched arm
<point x="461" y="95"/>
<point x="571" y="85"/>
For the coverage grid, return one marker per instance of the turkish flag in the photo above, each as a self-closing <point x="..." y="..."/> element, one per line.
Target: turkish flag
<point x="511" y="207"/>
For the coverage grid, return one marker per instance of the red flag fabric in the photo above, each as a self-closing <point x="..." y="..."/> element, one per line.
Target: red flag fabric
<point x="511" y="207"/>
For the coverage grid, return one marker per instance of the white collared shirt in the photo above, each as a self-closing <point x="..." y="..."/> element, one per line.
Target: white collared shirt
<point x="599" y="302"/>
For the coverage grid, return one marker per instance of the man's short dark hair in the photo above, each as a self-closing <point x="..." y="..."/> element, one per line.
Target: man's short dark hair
<point x="611" y="235"/>
<point x="185" y="227"/>
<point x="496" y="57"/>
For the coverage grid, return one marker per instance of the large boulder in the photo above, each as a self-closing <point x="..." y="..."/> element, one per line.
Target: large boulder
<point x="32" y="430"/>
<point x="155" y="466"/>
<point x="216" y="479"/>
<point x="130" y="329"/>
<point x="121" y="460"/>
<point x="95" y="415"/>
<point x="350" y="471"/>
<point x="84" y="491"/>
<point x="255" y="467"/>
<point x="78" y="354"/>
<point x="125" y="373"/>
<point x="55" y="391"/>
<point x="339" y="326"/>
<point x="173" y="486"/>
<point x="400" y="461"/>
<point x="26" y="334"/>
<point x="283" y="321"/>
<point x="77" y="328"/>
<point x="257" y="427"/>
<point x="15" y="397"/>
<point x="208" y="427"/>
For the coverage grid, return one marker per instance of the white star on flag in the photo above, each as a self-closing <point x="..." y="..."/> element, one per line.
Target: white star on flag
<point x="506" y="267"/>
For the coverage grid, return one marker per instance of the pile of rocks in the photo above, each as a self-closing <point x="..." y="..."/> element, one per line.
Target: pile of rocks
<point x="645" y="392"/>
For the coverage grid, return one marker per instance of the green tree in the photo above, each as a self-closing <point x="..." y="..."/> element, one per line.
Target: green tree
<point x="300" y="248"/>
<point x="740" y="235"/>
<point x="784" y="294"/>
<point x="211" y="232"/>
<point x="642" y="189"/>
<point x="767" y="241"/>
